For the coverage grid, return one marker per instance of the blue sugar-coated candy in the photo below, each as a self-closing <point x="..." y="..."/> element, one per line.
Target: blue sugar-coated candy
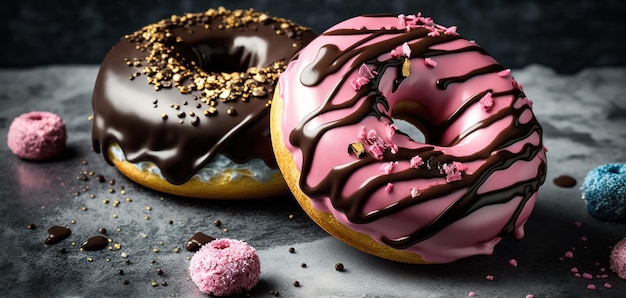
<point x="604" y="191"/>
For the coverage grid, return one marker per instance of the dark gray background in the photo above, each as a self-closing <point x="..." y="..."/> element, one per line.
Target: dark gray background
<point x="562" y="34"/>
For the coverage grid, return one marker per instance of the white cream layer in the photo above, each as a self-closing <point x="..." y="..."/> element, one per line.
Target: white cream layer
<point x="220" y="166"/>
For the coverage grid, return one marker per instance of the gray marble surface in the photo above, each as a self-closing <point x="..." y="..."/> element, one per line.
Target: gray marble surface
<point x="583" y="116"/>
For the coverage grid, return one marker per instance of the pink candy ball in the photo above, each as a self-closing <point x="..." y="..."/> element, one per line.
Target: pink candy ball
<point x="37" y="136"/>
<point x="618" y="259"/>
<point x="225" y="267"/>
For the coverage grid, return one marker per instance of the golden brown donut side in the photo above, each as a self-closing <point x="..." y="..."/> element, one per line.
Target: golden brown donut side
<point x="326" y="221"/>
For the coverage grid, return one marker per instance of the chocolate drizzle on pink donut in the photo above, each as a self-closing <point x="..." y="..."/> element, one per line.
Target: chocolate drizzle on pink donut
<point x="370" y="101"/>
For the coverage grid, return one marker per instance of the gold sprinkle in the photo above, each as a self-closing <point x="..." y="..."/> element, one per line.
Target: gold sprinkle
<point x="164" y="116"/>
<point x="176" y="249"/>
<point x="114" y="215"/>
<point x="105" y="201"/>
<point x="73" y="221"/>
<point x="128" y="199"/>
<point x="357" y="149"/>
<point x="146" y="217"/>
<point x="155" y="250"/>
<point x="89" y="259"/>
<point x="148" y="208"/>
<point x="406" y="67"/>
<point x="291" y="216"/>
<point x="124" y="255"/>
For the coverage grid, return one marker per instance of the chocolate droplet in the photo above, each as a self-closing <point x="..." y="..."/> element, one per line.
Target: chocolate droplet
<point x="197" y="240"/>
<point x="565" y="181"/>
<point x="56" y="234"/>
<point x="95" y="243"/>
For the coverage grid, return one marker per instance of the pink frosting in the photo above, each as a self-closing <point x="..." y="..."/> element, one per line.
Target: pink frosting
<point x="225" y="267"/>
<point x="37" y="135"/>
<point x="618" y="259"/>
<point x="478" y="231"/>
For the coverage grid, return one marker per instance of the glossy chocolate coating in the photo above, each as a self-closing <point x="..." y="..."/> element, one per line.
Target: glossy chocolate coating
<point x="154" y="116"/>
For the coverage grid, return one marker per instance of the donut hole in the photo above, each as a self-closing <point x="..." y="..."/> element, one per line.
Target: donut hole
<point x="616" y="169"/>
<point x="228" y="54"/>
<point x="35" y="117"/>
<point x="409" y="129"/>
<point x="405" y="115"/>
<point x="220" y="244"/>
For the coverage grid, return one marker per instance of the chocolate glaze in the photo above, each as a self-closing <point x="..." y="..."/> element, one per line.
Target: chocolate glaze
<point x="56" y="234"/>
<point x="197" y="240"/>
<point x="565" y="181"/>
<point x="95" y="243"/>
<point x="162" y="120"/>
<point x="352" y="206"/>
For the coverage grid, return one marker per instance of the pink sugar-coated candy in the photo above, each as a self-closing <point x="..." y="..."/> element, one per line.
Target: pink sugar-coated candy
<point x="37" y="136"/>
<point x="618" y="259"/>
<point x="225" y="267"/>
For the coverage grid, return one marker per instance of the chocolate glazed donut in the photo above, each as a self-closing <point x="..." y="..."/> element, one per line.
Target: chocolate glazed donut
<point x="181" y="91"/>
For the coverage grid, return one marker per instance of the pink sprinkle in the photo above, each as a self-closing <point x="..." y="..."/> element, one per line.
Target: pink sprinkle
<point x="450" y="31"/>
<point x="577" y="274"/>
<point x="602" y="269"/>
<point x="358" y="83"/>
<point x="530" y="296"/>
<point x="362" y="132"/>
<point x="453" y="171"/>
<point x="376" y="151"/>
<point x="486" y="102"/>
<point x="414" y="192"/>
<point x="489" y="277"/>
<point x="365" y="75"/>
<point x="433" y="33"/>
<point x="607" y="285"/>
<point x="577" y="224"/>
<point x="471" y="294"/>
<point x="505" y="73"/>
<point x="389" y="187"/>
<point x="402" y="50"/>
<point x="387" y="168"/>
<point x="372" y="134"/>
<point x="513" y="262"/>
<point x="569" y="254"/>
<point x="574" y="270"/>
<point x="587" y="276"/>
<point x="430" y="62"/>
<point x="391" y="131"/>
<point x="416" y="161"/>
<point x="591" y="287"/>
<point x="603" y="276"/>
<point x="365" y="72"/>
<point x="583" y="238"/>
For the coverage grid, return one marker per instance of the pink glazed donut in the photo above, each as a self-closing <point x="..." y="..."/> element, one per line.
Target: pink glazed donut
<point x="457" y="194"/>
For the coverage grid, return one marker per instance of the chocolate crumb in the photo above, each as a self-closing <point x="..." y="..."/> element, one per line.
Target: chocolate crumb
<point x="159" y="271"/>
<point x="100" y="178"/>
<point x="62" y="250"/>
<point x="217" y="223"/>
<point x="164" y="283"/>
<point x="125" y="281"/>
<point x="31" y="226"/>
<point x="292" y="250"/>
<point x="296" y="283"/>
<point x="102" y="230"/>
<point x="303" y="265"/>
<point x="120" y="272"/>
<point x="339" y="267"/>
